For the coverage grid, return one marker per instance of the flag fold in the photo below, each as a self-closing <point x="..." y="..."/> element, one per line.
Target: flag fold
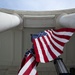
<point x="28" y="65"/>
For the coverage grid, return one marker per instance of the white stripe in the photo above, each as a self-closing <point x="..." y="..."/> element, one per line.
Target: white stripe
<point x="25" y="67"/>
<point x="63" y="33"/>
<point x="45" y="49"/>
<point x="33" y="72"/>
<point x="51" y="47"/>
<point x="39" y="50"/>
<point x="55" y="43"/>
<point x="59" y="39"/>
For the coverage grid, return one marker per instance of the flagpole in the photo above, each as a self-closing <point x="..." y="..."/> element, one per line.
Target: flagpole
<point x="60" y="67"/>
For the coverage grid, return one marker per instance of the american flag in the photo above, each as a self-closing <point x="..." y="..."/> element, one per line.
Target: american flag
<point x="28" y="65"/>
<point x="49" y="44"/>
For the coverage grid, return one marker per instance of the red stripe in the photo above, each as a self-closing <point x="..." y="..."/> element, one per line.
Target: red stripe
<point x="65" y="29"/>
<point x="36" y="73"/>
<point x="50" y="51"/>
<point x="43" y="51"/>
<point x="56" y="48"/>
<point x="61" y="36"/>
<point x="22" y="63"/>
<point x="36" y="50"/>
<point x="60" y="43"/>
<point x="29" y="69"/>
<point x="28" y="57"/>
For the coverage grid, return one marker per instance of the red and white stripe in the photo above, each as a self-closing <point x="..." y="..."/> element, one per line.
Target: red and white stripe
<point x="50" y="46"/>
<point x="29" y="68"/>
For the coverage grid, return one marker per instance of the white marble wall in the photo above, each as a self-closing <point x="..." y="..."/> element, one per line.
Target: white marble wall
<point x="10" y="51"/>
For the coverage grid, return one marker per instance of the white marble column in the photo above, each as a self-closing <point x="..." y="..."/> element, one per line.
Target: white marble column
<point x="8" y="21"/>
<point x="66" y="20"/>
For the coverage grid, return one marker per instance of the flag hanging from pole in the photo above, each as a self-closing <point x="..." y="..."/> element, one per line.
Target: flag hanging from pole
<point x="49" y="44"/>
<point x="28" y="65"/>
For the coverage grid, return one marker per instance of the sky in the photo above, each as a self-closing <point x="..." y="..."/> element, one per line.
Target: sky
<point x="37" y="5"/>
